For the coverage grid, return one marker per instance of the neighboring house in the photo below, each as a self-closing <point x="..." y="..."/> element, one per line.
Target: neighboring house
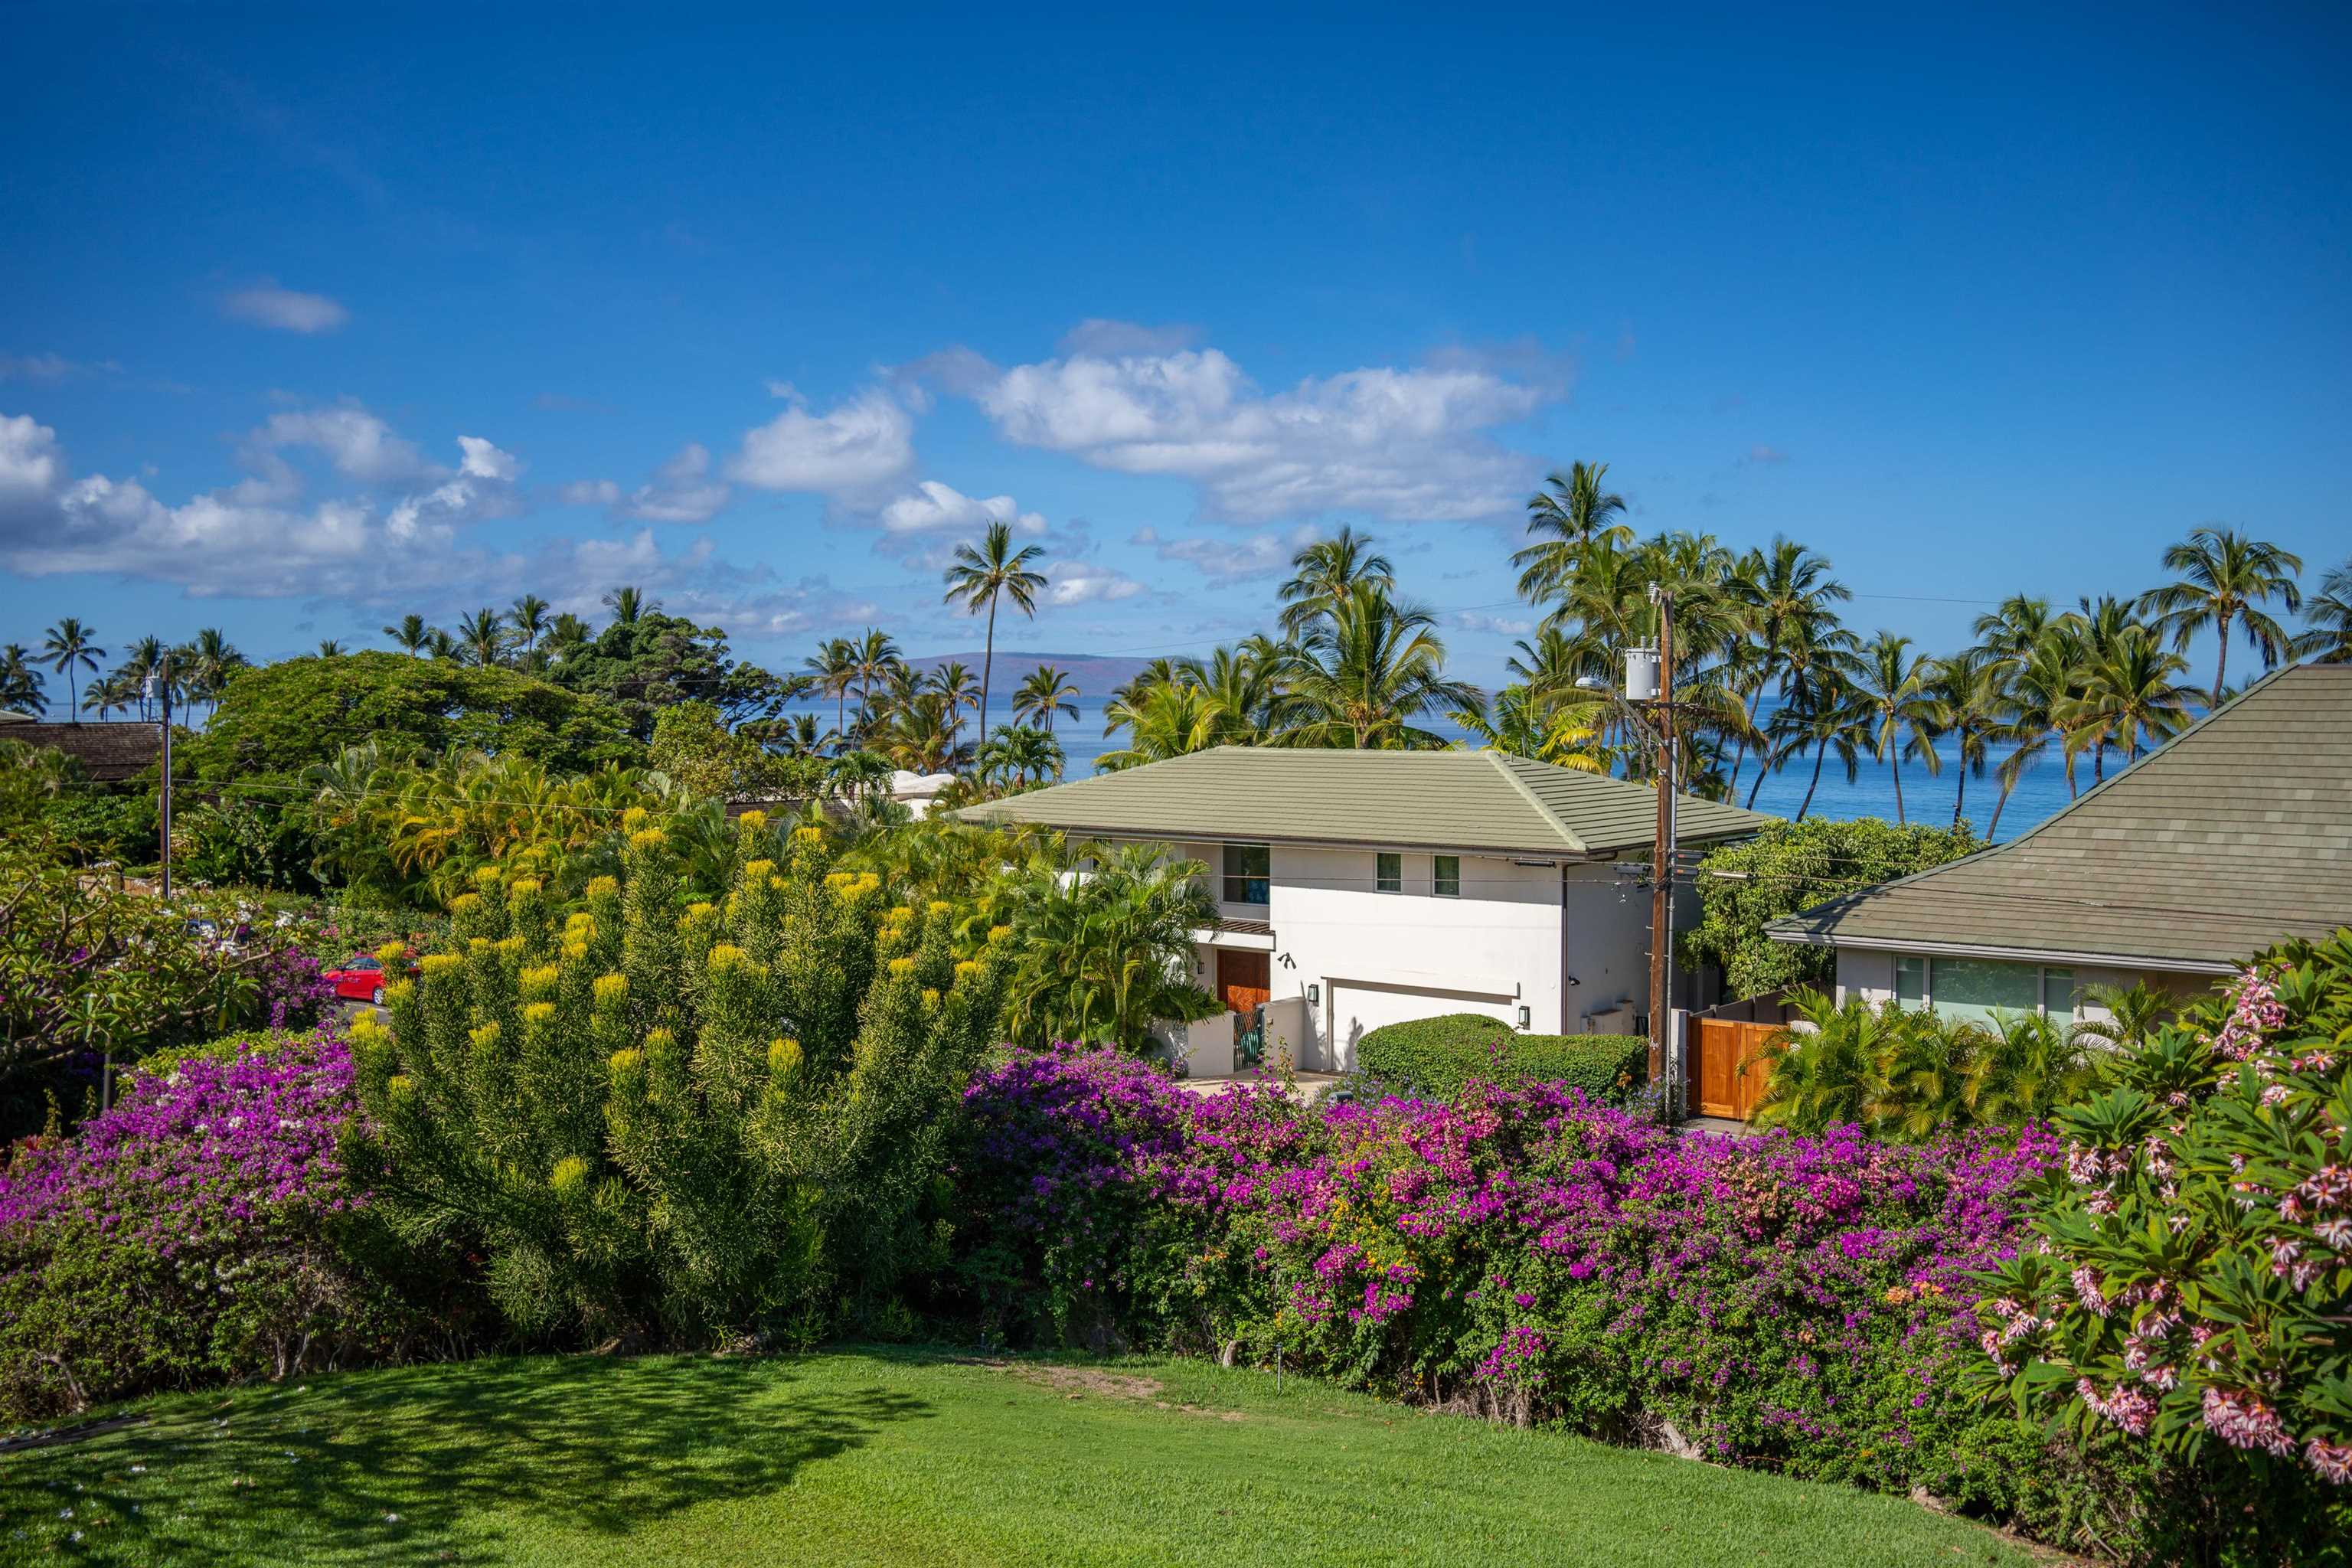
<point x="916" y="791"/>
<point x="108" y="752"/>
<point x="1357" y="889"/>
<point x="2174" y="872"/>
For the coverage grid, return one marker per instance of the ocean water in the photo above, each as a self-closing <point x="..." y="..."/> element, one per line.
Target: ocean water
<point x="2040" y="793"/>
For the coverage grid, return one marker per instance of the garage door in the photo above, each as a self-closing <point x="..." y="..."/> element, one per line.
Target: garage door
<point x="1359" y="1006"/>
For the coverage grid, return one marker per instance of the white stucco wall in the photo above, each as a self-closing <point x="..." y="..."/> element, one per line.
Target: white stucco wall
<point x="1607" y="920"/>
<point x="1380" y="958"/>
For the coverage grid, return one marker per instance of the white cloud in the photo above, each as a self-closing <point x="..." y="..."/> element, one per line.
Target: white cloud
<point x="1406" y="444"/>
<point x="931" y="506"/>
<point x="1224" y="559"/>
<point x="50" y="367"/>
<point x="249" y="538"/>
<point x="1478" y="621"/>
<point x="1762" y="453"/>
<point x="864" y="444"/>
<point x="360" y="446"/>
<point x="1095" y="335"/>
<point x="1083" y="583"/>
<point x="681" y="490"/>
<point x="484" y="461"/>
<point x="286" y="310"/>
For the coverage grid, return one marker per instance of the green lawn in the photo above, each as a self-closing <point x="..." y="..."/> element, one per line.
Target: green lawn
<point x="892" y="1457"/>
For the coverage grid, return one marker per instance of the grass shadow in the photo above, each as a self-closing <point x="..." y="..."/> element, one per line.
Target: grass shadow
<point x="610" y="1446"/>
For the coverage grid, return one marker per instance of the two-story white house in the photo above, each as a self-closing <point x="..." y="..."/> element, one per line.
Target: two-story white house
<point x="1357" y="889"/>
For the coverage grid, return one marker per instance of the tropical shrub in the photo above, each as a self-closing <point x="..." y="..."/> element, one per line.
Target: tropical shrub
<point x="1793" y="865"/>
<point x="1439" y="1055"/>
<point x="198" y="1231"/>
<point x="1909" y="1074"/>
<point x="2192" y="1288"/>
<point x="1798" y="1304"/>
<point x="87" y="968"/>
<point x="688" y="1120"/>
<point x="694" y="749"/>
<point x="1101" y="954"/>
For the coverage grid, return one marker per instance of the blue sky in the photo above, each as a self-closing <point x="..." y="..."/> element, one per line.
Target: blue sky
<point x="304" y="323"/>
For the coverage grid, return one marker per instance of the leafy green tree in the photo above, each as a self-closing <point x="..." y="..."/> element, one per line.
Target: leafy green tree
<point x="1370" y="669"/>
<point x="650" y="660"/>
<point x="20" y="684"/>
<point x="982" y="577"/>
<point x="1790" y="866"/>
<point x="693" y="747"/>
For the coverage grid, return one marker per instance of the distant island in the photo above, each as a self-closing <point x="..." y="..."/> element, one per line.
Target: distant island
<point x="1095" y="675"/>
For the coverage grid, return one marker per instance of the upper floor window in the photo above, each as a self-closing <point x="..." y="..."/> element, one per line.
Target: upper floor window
<point x="1248" y="868"/>
<point x="1388" y="873"/>
<point x="1445" y="876"/>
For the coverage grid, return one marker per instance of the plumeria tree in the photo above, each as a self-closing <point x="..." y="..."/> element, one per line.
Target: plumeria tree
<point x="2192" y="1288"/>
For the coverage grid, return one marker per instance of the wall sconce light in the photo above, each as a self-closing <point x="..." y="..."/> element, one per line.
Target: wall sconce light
<point x="1315" y="995"/>
<point x="1527" y="1016"/>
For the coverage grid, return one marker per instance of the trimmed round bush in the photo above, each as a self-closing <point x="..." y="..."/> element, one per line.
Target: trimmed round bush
<point x="1439" y="1055"/>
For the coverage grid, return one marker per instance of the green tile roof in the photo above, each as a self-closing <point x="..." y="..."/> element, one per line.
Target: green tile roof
<point x="1436" y="800"/>
<point x="2236" y="834"/>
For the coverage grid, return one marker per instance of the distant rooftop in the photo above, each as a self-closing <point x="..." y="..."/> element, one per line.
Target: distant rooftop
<point x="1454" y="800"/>
<point x="2236" y="834"/>
<point x="107" y="752"/>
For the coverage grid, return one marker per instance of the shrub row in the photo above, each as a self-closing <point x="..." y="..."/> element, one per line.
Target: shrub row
<point x="1439" y="1056"/>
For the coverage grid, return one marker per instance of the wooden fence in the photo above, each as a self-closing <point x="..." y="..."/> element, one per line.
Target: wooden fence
<point x="1717" y="1048"/>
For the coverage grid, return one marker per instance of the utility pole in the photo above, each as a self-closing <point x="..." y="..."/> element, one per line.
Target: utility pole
<point x="162" y="678"/>
<point x="1661" y="875"/>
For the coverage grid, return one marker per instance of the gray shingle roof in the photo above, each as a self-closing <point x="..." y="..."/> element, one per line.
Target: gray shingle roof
<point x="1435" y="800"/>
<point x="2236" y="834"/>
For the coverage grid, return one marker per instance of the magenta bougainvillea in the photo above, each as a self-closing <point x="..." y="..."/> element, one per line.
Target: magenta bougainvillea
<point x="1804" y="1304"/>
<point x="188" y="1233"/>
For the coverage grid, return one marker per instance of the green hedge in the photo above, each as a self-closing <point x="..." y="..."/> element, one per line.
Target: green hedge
<point x="1438" y="1055"/>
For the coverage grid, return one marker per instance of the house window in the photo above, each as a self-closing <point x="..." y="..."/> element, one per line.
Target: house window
<point x="1248" y="868"/>
<point x="1445" y="876"/>
<point x="1973" y="990"/>
<point x="1388" y="873"/>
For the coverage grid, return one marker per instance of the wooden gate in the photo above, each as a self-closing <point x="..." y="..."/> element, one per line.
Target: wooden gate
<point x="1719" y="1046"/>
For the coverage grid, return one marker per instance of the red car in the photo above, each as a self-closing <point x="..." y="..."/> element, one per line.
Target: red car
<point x="361" y="980"/>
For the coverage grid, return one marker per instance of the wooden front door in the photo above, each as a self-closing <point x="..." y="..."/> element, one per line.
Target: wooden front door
<point x="1244" y="980"/>
<point x="1719" y="1046"/>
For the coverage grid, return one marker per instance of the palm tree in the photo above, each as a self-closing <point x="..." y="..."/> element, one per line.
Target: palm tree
<point x="1784" y="598"/>
<point x="330" y="648"/>
<point x="833" y="667"/>
<point x="20" y="684"/>
<point x="1021" y="752"/>
<point x="484" y="635"/>
<point x="1368" y="670"/>
<point x="2129" y="694"/>
<point x="2329" y="616"/>
<point x="1173" y="719"/>
<point x="1250" y="684"/>
<point x="953" y="681"/>
<point x="1542" y="730"/>
<point x="1570" y="516"/>
<point x="1827" y="1074"/>
<point x="2026" y="1067"/>
<point x="69" y="647"/>
<point x="439" y="644"/>
<point x="208" y="662"/>
<point x="145" y="656"/>
<point x="2013" y="631"/>
<point x="529" y="614"/>
<point x="1043" y="693"/>
<point x="1324" y="571"/>
<point x="982" y="576"/>
<point x="1818" y="660"/>
<point x="1103" y="957"/>
<point x="873" y="657"/>
<point x="413" y="635"/>
<point x="1971" y="690"/>
<point x="2226" y="578"/>
<point x="2134" y="1013"/>
<point x="1891" y="689"/>
<point x="627" y="602"/>
<point x="2037" y="704"/>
